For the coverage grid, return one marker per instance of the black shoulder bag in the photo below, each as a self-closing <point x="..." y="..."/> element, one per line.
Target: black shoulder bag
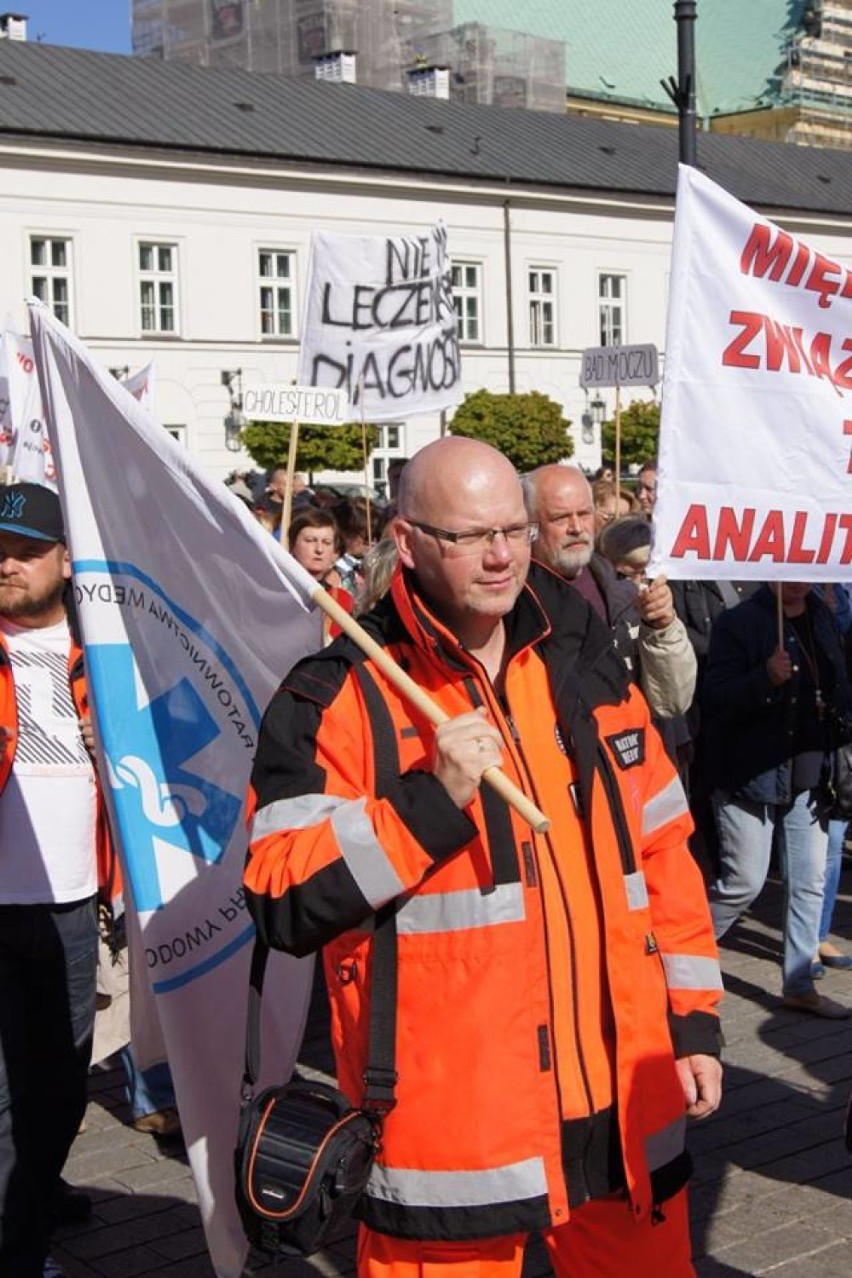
<point x="303" y="1153"/>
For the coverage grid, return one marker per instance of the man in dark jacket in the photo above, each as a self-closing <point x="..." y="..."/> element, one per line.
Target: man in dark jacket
<point x="768" y="702"/>
<point x="556" y="992"/>
<point x="645" y="631"/>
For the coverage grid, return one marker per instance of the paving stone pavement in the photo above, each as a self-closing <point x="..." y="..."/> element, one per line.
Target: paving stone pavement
<point x="772" y="1192"/>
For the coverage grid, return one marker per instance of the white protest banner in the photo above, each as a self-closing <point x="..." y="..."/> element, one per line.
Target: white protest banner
<point x="141" y="386"/>
<point x="380" y="324"/>
<point x="190" y="614"/>
<point x="30" y="453"/>
<point x="755" y="478"/>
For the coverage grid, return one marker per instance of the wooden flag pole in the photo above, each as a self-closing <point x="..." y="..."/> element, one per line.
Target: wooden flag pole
<point x="287" y="508"/>
<point x="617" y="484"/>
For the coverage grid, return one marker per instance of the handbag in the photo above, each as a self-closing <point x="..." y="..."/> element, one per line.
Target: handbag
<point x="836" y="784"/>
<point x="304" y="1153"/>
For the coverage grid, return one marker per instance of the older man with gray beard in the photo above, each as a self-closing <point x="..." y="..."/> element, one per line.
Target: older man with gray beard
<point x="642" y="620"/>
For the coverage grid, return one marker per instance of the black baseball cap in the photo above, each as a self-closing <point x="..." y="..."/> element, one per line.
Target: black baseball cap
<point x="31" y="510"/>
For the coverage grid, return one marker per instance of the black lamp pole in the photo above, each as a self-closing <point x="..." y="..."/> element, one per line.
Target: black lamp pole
<point x="682" y="91"/>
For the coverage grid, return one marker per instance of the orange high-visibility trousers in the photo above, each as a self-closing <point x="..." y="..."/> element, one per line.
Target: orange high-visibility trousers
<point x="601" y="1240"/>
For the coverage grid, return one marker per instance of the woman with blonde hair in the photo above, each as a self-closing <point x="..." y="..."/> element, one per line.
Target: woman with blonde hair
<point x="609" y="506"/>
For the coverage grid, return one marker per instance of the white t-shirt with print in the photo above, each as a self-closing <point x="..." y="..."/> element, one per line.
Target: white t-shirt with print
<point x="48" y="808"/>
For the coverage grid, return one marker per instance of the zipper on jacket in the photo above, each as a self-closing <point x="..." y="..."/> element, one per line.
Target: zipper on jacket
<point x="613" y="794"/>
<point x="506" y="714"/>
<point x="544" y="1060"/>
<point x="503" y="714"/>
<point x="529" y="864"/>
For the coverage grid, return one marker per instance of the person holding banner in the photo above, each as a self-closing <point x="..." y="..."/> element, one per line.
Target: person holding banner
<point x="772" y="703"/>
<point x="53" y="844"/>
<point x="557" y="992"/>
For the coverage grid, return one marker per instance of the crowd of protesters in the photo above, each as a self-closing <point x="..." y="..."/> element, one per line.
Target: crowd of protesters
<point x="748" y="687"/>
<point x="752" y="730"/>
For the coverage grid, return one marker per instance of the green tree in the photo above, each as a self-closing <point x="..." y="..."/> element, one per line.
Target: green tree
<point x="528" y="429"/>
<point x="318" y="448"/>
<point x="640" y="431"/>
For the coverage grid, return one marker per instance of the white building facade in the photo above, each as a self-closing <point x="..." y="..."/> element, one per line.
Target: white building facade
<point x="197" y="261"/>
<point x="201" y="268"/>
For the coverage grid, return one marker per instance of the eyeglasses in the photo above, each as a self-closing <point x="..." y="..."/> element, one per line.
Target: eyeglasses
<point x="470" y="540"/>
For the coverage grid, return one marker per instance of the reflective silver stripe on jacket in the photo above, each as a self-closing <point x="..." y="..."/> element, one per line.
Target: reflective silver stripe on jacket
<point x="415" y="1188"/>
<point x="692" y="972"/>
<point x="293" y="814"/>
<point x="637" y="891"/>
<point x="365" y="858"/>
<point x="664" y="807"/>
<point x="663" y="1147"/>
<point x="458" y="911"/>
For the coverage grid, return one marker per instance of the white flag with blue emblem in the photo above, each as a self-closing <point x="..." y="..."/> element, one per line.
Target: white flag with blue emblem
<point x="190" y="615"/>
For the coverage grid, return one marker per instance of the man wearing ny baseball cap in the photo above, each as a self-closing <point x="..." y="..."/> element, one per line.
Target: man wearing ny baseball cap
<point x="51" y="851"/>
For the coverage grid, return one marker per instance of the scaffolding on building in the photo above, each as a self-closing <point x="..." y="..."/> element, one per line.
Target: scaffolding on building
<point x="287" y="36"/>
<point x="817" y="79"/>
<point x="389" y="38"/>
<point x="492" y="67"/>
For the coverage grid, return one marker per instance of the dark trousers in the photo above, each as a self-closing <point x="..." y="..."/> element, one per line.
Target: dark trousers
<point x="48" y="961"/>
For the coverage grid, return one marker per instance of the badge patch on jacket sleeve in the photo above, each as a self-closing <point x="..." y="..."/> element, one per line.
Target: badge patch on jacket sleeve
<point x="628" y="747"/>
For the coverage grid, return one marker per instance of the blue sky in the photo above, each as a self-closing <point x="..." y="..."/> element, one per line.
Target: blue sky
<point x="85" y="24"/>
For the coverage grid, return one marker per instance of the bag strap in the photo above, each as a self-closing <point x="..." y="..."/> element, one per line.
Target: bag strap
<point x="380" y="1075"/>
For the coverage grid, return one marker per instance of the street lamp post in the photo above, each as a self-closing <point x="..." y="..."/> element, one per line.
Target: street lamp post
<point x="235" y="419"/>
<point x="682" y="90"/>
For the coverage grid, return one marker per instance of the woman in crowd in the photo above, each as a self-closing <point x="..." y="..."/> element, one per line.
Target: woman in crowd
<point x="314" y="542"/>
<point x="769" y="701"/>
<point x="608" y="505"/>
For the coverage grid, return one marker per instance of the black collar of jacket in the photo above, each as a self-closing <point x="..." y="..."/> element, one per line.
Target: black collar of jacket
<point x="579" y="649"/>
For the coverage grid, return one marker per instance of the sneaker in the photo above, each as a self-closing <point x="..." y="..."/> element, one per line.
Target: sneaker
<point x="163" y="1123"/>
<point x="817" y="1005"/>
<point x="52" y="1269"/>
<point x="70" y="1206"/>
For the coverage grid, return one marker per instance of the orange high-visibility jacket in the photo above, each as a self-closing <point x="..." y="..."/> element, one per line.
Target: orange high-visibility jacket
<point x="546" y="983"/>
<point x="109" y="875"/>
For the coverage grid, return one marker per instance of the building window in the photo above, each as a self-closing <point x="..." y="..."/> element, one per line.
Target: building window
<point x="391" y="445"/>
<point x="467" y="299"/>
<point x="542" y="295"/>
<point x="275" y="284"/>
<point x="50" y="260"/>
<point x="158" y="290"/>
<point x="612" y="309"/>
